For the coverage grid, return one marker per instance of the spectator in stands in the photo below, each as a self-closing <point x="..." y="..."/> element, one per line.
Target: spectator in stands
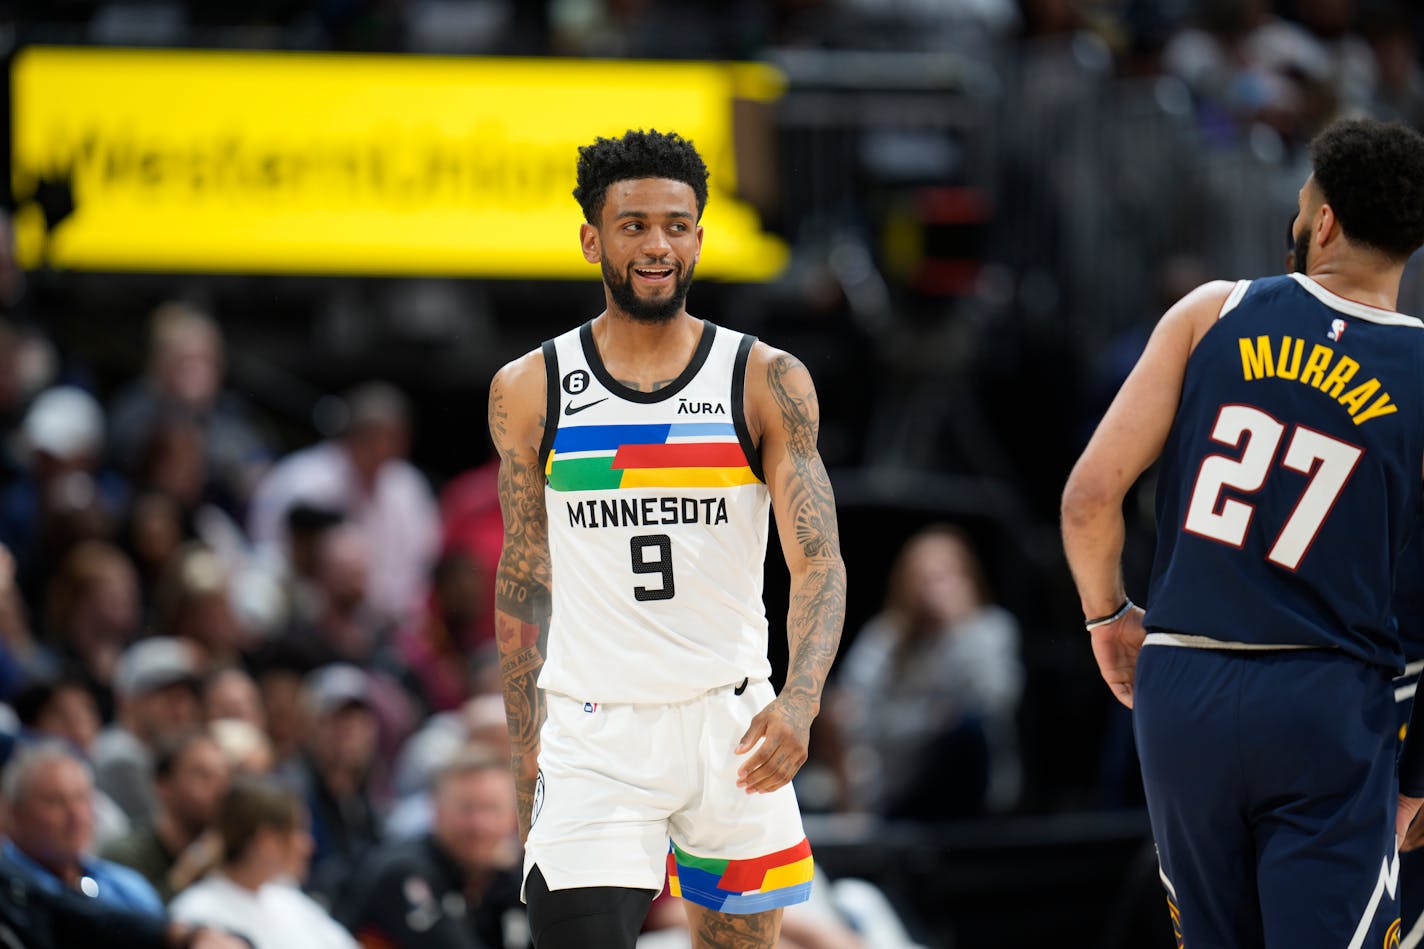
<point x="456" y="887"/>
<point x="245" y="746"/>
<point x="437" y="647"/>
<point x="471" y="522"/>
<point x="60" y="708"/>
<point x="298" y="567"/>
<point x="348" y="630"/>
<point x="280" y="669"/>
<point x="193" y="604"/>
<point x="92" y="614"/>
<point x="48" y="792"/>
<point x="33" y="917"/>
<point x="365" y="475"/>
<point x="190" y="779"/>
<point x="156" y="684"/>
<point x="185" y="380"/>
<point x="151" y="532"/>
<point x="232" y="693"/>
<point x="928" y="692"/>
<point x="336" y="772"/>
<point x="64" y="709"/>
<point x="1217" y="58"/>
<point x="263" y="839"/>
<point x="20" y="655"/>
<point x="173" y="466"/>
<point x="1399" y="93"/>
<point x="479" y="722"/>
<point x="27" y="365"/>
<point x="64" y="496"/>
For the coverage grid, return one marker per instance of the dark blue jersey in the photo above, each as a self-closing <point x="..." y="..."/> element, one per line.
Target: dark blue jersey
<point x="1409" y="596"/>
<point x="1290" y="482"/>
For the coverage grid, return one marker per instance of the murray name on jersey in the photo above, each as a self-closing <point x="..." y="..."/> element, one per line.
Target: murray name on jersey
<point x="1286" y="358"/>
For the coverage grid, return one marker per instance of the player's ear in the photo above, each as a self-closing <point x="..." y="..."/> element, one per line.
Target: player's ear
<point x="1327" y="225"/>
<point x="698" y="256"/>
<point x="588" y="240"/>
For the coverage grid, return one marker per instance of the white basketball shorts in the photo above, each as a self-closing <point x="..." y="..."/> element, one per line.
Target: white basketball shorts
<point x="629" y="793"/>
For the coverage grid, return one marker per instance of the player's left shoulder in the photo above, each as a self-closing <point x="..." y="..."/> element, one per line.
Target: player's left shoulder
<point x="773" y="369"/>
<point x="779" y="391"/>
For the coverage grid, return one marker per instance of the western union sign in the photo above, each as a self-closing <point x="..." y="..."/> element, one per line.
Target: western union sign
<point x="311" y="163"/>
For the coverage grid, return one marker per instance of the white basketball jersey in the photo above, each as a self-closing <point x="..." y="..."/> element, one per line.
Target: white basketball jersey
<point x="657" y="527"/>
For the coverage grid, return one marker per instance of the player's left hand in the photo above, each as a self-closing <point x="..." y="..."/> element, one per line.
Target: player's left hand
<point x="784" y="737"/>
<point x="1408" y="831"/>
<point x="1115" y="647"/>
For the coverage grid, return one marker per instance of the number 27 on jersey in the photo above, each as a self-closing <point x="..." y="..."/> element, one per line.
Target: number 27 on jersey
<point x="1328" y="462"/>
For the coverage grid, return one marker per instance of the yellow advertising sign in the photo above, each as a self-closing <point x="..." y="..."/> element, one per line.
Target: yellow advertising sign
<point x="313" y="163"/>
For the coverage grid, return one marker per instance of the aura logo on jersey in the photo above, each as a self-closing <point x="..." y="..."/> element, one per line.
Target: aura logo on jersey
<point x="685" y="407"/>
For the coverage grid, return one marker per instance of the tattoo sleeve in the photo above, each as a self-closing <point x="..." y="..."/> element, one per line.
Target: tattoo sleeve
<point x="522" y="598"/>
<point x="807" y="509"/>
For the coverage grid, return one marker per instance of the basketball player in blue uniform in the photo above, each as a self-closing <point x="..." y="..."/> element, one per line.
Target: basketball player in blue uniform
<point x="1409" y="612"/>
<point x="1289" y="416"/>
<point x="640" y="456"/>
<point x="1409" y="617"/>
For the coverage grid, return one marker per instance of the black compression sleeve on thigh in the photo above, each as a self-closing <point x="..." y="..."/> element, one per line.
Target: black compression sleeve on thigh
<point x="608" y="917"/>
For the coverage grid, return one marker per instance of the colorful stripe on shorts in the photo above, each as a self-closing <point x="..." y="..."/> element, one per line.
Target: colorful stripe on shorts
<point x="677" y="455"/>
<point x="742" y="886"/>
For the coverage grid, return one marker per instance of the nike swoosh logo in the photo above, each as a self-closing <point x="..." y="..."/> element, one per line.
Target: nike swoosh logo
<point x="572" y="409"/>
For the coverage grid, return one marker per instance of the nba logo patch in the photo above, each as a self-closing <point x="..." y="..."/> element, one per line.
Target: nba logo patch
<point x="1337" y="329"/>
<point x="590" y="707"/>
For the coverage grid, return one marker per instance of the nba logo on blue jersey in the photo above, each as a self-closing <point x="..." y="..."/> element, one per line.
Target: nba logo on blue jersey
<point x="1337" y="329"/>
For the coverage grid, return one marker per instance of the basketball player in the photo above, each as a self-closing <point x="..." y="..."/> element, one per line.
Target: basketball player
<point x="639" y="454"/>
<point x="1289" y="416"/>
<point x="1409" y="616"/>
<point x="1409" y="611"/>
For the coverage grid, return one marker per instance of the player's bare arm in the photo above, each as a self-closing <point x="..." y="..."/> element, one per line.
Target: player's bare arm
<point x="522" y="599"/>
<point x="784" y="418"/>
<point x="1129" y="438"/>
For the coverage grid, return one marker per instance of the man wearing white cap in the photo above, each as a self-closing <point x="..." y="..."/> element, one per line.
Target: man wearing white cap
<point x="156" y="686"/>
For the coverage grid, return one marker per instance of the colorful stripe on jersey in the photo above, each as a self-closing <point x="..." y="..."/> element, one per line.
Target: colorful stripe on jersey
<point x="742" y="886"/>
<point x="674" y="455"/>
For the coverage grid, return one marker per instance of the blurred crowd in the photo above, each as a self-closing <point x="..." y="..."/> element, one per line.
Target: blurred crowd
<point x="237" y="681"/>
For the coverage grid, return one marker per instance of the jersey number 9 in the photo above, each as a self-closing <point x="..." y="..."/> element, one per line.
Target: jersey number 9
<point x="659" y="563"/>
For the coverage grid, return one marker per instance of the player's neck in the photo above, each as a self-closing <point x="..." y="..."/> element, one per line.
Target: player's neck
<point x="634" y="351"/>
<point x="1374" y="284"/>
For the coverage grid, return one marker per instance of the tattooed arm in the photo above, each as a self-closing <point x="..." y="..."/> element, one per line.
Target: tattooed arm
<point x="784" y="417"/>
<point x="522" y="600"/>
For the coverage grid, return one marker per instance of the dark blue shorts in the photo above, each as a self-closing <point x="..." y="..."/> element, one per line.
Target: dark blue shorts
<point x="1270" y="781"/>
<point x="1411" y="865"/>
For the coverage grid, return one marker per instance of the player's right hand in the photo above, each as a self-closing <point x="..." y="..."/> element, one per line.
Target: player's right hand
<point x="1408" y="831"/>
<point x="1115" y="647"/>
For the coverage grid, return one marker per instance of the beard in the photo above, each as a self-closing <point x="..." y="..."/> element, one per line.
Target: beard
<point x="620" y="287"/>
<point x="1302" y="250"/>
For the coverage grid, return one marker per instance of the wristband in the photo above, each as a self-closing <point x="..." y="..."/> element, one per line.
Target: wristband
<point x="1113" y="617"/>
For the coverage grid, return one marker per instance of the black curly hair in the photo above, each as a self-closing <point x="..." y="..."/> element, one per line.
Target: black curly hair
<point x="1372" y="176"/>
<point x="638" y="154"/>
